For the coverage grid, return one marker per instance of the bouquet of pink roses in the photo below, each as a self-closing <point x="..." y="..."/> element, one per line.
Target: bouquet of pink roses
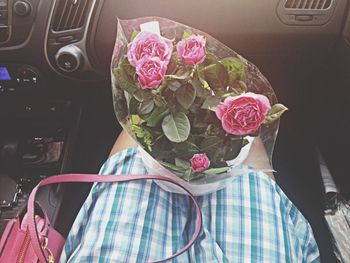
<point x="193" y="104"/>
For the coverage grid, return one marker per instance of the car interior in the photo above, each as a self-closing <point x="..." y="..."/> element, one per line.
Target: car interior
<point x="56" y="109"/>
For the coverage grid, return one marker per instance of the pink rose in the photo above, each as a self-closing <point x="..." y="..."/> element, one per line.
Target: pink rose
<point x="147" y="44"/>
<point x="192" y="50"/>
<point x="150" y="72"/>
<point x="243" y="114"/>
<point x="199" y="162"/>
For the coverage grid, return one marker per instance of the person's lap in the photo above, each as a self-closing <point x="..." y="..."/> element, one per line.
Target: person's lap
<point x="251" y="219"/>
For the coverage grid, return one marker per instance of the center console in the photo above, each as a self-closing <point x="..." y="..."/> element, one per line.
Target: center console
<point x="37" y="138"/>
<point x="37" y="129"/>
<point x="18" y="77"/>
<point x="42" y="131"/>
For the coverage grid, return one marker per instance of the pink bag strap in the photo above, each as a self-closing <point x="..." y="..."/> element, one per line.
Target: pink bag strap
<point x="90" y="178"/>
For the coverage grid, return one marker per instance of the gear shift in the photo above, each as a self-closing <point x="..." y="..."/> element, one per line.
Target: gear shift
<point x="10" y="171"/>
<point x="10" y="158"/>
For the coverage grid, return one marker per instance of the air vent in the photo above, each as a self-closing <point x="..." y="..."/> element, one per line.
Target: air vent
<point x="70" y="14"/>
<point x="308" y="4"/>
<point x="307" y="12"/>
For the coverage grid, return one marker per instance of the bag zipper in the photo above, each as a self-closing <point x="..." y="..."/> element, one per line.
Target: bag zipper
<point x="51" y="258"/>
<point x="24" y="248"/>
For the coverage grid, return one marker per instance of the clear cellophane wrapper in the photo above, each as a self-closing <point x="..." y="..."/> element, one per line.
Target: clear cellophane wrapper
<point x="230" y="155"/>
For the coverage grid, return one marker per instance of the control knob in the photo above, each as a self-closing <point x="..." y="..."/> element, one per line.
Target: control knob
<point x="22" y="8"/>
<point x="69" y="58"/>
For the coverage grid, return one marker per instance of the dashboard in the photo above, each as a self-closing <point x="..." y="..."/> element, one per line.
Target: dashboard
<point x="73" y="39"/>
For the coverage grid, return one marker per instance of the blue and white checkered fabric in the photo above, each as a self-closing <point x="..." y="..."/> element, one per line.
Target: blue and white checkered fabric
<point x="251" y="220"/>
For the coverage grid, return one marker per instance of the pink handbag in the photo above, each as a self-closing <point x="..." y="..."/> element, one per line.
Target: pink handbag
<point x="16" y="243"/>
<point x="32" y="239"/>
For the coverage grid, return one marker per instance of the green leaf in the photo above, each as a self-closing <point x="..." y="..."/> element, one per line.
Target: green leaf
<point x="159" y="100"/>
<point x="173" y="64"/>
<point x="210" y="103"/>
<point x="217" y="77"/>
<point x="213" y="171"/>
<point x="205" y="84"/>
<point x="201" y="90"/>
<point x="200" y="125"/>
<point x="180" y="75"/>
<point x="141" y="132"/>
<point x="146" y="107"/>
<point x="218" y="156"/>
<point x="210" y="142"/>
<point x="179" y="108"/>
<point x="162" y="147"/>
<point x="192" y="176"/>
<point x="172" y="166"/>
<point x="145" y="136"/>
<point x="141" y="108"/>
<point x="185" y="149"/>
<point x="186" y="35"/>
<point x="233" y="148"/>
<point x="129" y="70"/>
<point x="210" y="59"/>
<point x="181" y="163"/>
<point x="195" y="107"/>
<point x="188" y="175"/>
<point x="213" y="130"/>
<point x="235" y="69"/>
<point x="137" y="130"/>
<point x="275" y="113"/>
<point x="133" y="35"/>
<point x="182" y="71"/>
<point x="173" y="85"/>
<point x="148" y="139"/>
<point x="157" y="116"/>
<point x="133" y="106"/>
<point x="169" y="99"/>
<point x="135" y="119"/>
<point x="185" y="96"/>
<point x="176" y="127"/>
<point x="124" y="81"/>
<point x="178" y="70"/>
<point x="142" y="95"/>
<point x="239" y="87"/>
<point x="245" y="142"/>
<point x="210" y="145"/>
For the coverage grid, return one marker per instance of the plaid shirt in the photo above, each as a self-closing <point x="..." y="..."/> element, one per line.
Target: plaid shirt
<point x="251" y="220"/>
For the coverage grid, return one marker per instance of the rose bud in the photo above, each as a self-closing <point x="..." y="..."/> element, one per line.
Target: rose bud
<point x="192" y="50"/>
<point x="199" y="162"/>
<point x="243" y="114"/>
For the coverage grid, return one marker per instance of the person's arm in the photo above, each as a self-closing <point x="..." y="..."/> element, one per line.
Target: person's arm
<point x="123" y="141"/>
<point x="258" y="158"/>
